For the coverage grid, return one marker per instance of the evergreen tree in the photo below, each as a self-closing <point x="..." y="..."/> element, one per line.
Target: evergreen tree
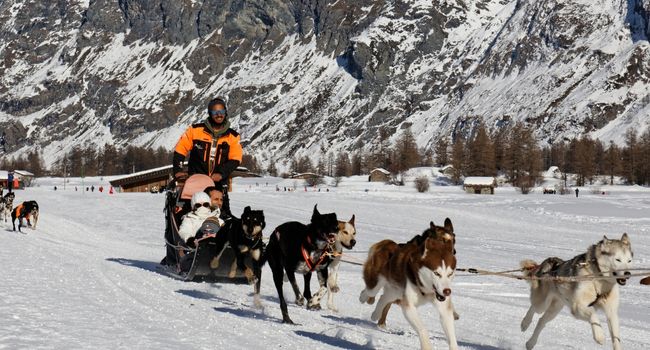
<point x="612" y="161"/>
<point x="406" y="152"/>
<point x="522" y="157"/>
<point x="343" y="165"/>
<point x="357" y="163"/>
<point x="458" y="159"/>
<point x="441" y="150"/>
<point x="584" y="163"/>
<point x="35" y="163"/>
<point x="643" y="175"/>
<point x="630" y="156"/>
<point x="250" y="163"/>
<point x="481" y="154"/>
<point x="272" y="169"/>
<point x="321" y="168"/>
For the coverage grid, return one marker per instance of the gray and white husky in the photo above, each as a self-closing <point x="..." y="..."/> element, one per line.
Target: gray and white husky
<point x="607" y="258"/>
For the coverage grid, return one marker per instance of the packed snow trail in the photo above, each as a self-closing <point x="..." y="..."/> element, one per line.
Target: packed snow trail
<point x="87" y="276"/>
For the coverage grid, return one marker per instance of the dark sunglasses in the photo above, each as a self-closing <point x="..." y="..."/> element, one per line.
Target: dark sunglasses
<point x="217" y="112"/>
<point x="199" y="205"/>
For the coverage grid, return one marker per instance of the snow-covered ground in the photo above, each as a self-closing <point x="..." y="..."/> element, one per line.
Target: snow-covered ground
<point x="87" y="277"/>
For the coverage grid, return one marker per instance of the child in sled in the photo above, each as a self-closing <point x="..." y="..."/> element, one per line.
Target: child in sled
<point x="201" y="223"/>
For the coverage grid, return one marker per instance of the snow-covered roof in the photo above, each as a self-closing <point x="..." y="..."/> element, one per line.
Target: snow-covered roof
<point x="382" y="170"/>
<point x="479" y="180"/>
<point x="144" y="172"/>
<point x="448" y="166"/>
<point x="23" y="173"/>
<point x="307" y="174"/>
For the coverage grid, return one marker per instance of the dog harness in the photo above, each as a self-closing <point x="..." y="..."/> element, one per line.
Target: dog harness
<point x="310" y="263"/>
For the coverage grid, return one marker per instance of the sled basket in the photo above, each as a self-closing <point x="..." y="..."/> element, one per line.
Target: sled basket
<point x="200" y="263"/>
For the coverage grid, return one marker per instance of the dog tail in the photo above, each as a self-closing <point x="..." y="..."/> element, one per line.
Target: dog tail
<point x="528" y="268"/>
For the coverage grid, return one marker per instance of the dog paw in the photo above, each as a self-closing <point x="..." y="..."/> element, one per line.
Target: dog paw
<point x="363" y="297"/>
<point x="314" y="307"/>
<point x="300" y="301"/>
<point x="332" y="308"/>
<point x="257" y="302"/>
<point x="530" y="345"/>
<point x="525" y="323"/>
<point x="335" y="289"/>
<point x="599" y="335"/>
<point x="214" y="263"/>
<point x="375" y="316"/>
<point x="456" y="316"/>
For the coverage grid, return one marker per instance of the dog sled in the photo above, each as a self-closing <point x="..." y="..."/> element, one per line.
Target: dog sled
<point x="201" y="263"/>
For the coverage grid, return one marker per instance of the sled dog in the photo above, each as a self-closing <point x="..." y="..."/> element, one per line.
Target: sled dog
<point x="345" y="238"/>
<point x="244" y="237"/>
<point x="411" y="275"/>
<point x="6" y="204"/>
<point x="445" y="232"/>
<point x="295" y="247"/>
<point x="24" y="211"/>
<point x="608" y="258"/>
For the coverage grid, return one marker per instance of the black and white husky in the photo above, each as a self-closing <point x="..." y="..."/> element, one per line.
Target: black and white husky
<point x="6" y="205"/>
<point x="296" y="247"/>
<point x="609" y="258"/>
<point x="345" y="238"/>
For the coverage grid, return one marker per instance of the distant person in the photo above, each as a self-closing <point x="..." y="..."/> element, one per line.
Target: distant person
<point x="55" y="188"/>
<point x="110" y="190"/>
<point x="92" y="188"/>
<point x="101" y="188"/>
<point x="10" y="181"/>
<point x="214" y="149"/>
<point x="75" y="188"/>
<point x="577" y="190"/>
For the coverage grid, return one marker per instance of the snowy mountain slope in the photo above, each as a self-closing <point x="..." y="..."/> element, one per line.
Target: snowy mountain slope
<point x="312" y="76"/>
<point x="86" y="277"/>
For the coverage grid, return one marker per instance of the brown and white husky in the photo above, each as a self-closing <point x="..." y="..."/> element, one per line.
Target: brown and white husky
<point x="410" y="275"/>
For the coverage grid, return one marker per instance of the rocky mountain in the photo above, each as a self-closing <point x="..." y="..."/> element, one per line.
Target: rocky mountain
<point x="309" y="76"/>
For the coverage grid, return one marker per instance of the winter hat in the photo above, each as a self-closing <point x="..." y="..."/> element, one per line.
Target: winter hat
<point x="200" y="198"/>
<point x="218" y="101"/>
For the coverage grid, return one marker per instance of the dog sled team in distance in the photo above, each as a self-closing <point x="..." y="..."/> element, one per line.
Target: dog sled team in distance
<point x="25" y="211"/>
<point x="205" y="241"/>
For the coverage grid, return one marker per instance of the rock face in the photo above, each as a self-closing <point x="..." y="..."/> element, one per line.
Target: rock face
<point x="308" y="76"/>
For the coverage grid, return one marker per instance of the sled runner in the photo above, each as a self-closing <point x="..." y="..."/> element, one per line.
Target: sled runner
<point x="200" y="263"/>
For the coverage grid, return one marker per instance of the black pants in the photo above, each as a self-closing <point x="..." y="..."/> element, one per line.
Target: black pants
<point x="225" y="207"/>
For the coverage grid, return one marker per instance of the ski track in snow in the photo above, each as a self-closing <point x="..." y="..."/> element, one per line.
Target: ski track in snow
<point x="87" y="277"/>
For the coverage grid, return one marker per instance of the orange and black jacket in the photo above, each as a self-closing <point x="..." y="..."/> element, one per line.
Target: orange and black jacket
<point x="197" y="141"/>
